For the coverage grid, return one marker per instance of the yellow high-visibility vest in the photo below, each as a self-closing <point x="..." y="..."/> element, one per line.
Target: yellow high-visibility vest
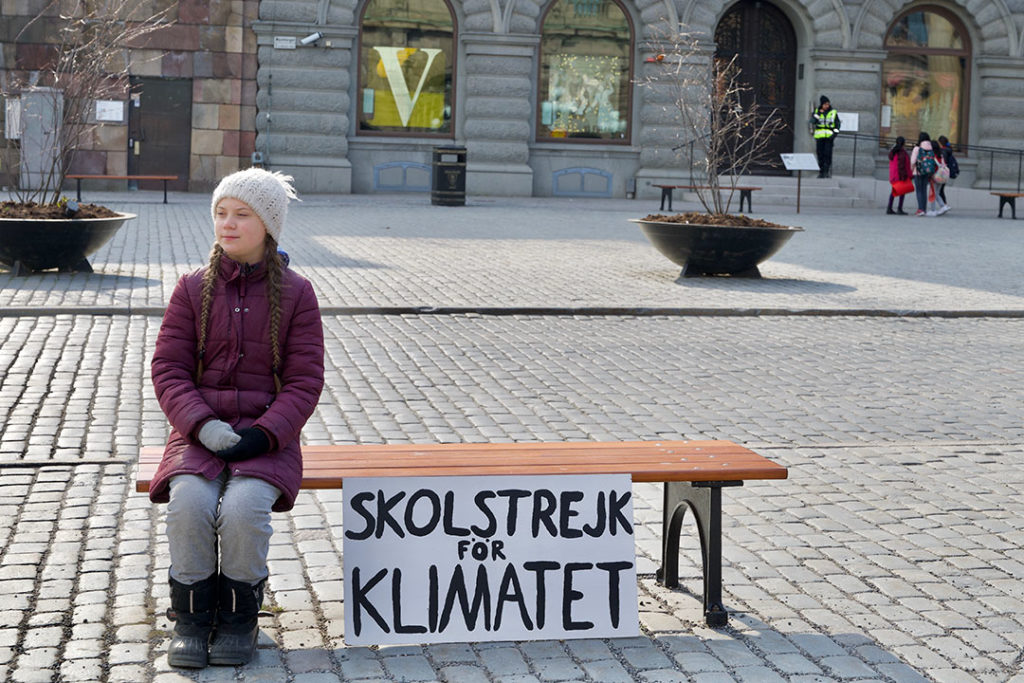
<point x="825" y="125"/>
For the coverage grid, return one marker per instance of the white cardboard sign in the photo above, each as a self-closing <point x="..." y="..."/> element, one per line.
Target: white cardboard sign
<point x="467" y="559"/>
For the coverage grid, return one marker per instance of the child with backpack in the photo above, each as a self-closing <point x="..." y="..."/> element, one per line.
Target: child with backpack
<point x="925" y="163"/>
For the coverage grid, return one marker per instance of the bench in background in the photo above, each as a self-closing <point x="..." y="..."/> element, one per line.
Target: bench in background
<point x="666" y="193"/>
<point x="694" y="473"/>
<point x="78" y="178"/>
<point x="1008" y="198"/>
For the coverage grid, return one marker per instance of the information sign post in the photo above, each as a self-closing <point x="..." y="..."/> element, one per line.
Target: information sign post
<point x="799" y="163"/>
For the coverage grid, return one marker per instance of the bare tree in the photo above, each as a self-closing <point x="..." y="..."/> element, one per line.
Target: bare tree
<point x="86" y="57"/>
<point x="717" y="119"/>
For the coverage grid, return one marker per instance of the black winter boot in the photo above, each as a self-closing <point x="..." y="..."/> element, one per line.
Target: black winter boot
<point x="237" y="621"/>
<point x="192" y="608"/>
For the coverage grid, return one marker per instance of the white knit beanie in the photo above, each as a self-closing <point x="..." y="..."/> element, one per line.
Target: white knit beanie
<point x="265" y="192"/>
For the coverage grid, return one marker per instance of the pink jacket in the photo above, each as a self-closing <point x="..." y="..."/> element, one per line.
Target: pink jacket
<point x="237" y="385"/>
<point x="899" y="166"/>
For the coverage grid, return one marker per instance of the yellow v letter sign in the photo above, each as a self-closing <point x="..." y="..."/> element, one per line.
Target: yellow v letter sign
<point x="392" y="64"/>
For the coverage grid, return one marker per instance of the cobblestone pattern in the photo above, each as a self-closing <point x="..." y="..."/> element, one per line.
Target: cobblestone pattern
<point x="385" y="251"/>
<point x="892" y="553"/>
<point x="867" y="564"/>
<point x="803" y="381"/>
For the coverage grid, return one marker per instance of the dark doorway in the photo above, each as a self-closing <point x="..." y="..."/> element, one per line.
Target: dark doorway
<point x="763" y="40"/>
<point x="160" y="130"/>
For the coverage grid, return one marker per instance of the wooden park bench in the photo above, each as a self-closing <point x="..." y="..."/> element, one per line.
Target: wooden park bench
<point x="1008" y="198"/>
<point x="78" y="178"/>
<point x="694" y="474"/>
<point x="666" y="193"/>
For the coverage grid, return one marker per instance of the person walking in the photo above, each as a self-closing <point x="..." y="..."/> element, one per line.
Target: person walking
<point x="899" y="170"/>
<point x="825" y="123"/>
<point x="238" y="368"/>
<point x="949" y="159"/>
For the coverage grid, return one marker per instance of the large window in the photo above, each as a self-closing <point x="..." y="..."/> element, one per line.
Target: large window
<point x="585" y="71"/>
<point x="925" y="76"/>
<point x="405" y="67"/>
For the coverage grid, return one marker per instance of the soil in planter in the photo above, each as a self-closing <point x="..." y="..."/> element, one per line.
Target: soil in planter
<point x="728" y="219"/>
<point x="33" y="210"/>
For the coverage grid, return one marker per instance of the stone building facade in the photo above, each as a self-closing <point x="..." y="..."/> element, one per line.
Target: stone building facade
<point x="330" y="90"/>
<point x="308" y="109"/>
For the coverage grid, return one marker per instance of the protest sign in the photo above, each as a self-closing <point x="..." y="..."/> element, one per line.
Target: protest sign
<point x="465" y="559"/>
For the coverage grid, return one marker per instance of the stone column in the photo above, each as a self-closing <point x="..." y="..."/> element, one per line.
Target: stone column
<point x="303" y="102"/>
<point x="852" y="80"/>
<point x="498" y="84"/>
<point x="1000" y="85"/>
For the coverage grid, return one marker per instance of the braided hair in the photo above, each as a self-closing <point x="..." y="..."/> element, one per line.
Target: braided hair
<point x="274" y="263"/>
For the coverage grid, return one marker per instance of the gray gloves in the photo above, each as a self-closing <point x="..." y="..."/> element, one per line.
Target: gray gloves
<point x="218" y="435"/>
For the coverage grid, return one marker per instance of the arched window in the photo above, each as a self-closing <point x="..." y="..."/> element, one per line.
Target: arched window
<point x="925" y="76"/>
<point x="406" y="66"/>
<point x="586" y="69"/>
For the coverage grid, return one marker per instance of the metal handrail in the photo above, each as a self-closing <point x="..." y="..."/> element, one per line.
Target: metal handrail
<point x="966" y="150"/>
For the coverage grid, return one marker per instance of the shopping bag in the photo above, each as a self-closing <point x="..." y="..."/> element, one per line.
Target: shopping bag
<point x="902" y="187"/>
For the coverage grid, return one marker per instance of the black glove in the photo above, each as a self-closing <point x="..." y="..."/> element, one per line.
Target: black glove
<point x="254" y="442"/>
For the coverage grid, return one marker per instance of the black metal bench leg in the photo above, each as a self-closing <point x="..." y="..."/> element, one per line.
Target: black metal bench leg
<point x="666" y="194"/>
<point x="165" y="190"/>
<point x="1012" y="201"/>
<point x="704" y="499"/>
<point x="745" y="194"/>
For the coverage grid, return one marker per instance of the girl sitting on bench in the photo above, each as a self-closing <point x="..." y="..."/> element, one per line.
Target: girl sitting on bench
<point x="238" y="369"/>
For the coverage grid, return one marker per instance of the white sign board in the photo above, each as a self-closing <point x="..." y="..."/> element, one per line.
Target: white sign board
<point x="12" y="118"/>
<point x="110" y="110"/>
<point x="849" y="123"/>
<point x="469" y="559"/>
<point x="284" y="42"/>
<point x="799" y="162"/>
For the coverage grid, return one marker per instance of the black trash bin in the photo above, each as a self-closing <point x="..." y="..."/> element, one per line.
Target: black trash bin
<point x="448" y="180"/>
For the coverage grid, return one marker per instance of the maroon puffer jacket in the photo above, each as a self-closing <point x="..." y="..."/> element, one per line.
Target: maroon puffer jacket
<point x="237" y="385"/>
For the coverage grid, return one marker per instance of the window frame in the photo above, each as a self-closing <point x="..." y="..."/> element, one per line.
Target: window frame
<point x="359" y="131"/>
<point x="966" y="53"/>
<point x="626" y="141"/>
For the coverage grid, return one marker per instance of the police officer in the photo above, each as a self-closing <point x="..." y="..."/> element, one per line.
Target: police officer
<point x="825" y="122"/>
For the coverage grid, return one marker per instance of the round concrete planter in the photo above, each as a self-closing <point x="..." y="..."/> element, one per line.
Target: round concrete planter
<point x="715" y="249"/>
<point x="28" y="244"/>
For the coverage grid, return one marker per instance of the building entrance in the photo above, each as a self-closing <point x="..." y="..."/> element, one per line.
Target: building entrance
<point x="160" y="130"/>
<point x="764" y="43"/>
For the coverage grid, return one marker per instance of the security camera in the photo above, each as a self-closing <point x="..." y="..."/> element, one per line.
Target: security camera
<point x="311" y="38"/>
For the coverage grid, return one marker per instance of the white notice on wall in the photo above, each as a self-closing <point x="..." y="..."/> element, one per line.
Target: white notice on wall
<point x="110" y="110"/>
<point x="469" y="559"/>
<point x="849" y="123"/>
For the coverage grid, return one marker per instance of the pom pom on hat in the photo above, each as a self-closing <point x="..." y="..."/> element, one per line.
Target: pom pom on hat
<point x="266" y="192"/>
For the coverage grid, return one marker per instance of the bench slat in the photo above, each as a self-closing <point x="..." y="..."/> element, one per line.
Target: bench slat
<point x="654" y="461"/>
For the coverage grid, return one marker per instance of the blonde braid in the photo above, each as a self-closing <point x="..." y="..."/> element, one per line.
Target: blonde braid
<point x="206" y="302"/>
<point x="275" y="267"/>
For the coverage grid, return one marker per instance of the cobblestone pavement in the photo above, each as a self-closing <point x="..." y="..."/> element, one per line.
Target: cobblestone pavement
<point x="880" y="360"/>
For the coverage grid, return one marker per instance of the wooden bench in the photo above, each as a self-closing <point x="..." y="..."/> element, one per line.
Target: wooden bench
<point x="1008" y="198"/>
<point x="694" y="474"/>
<point x="666" y="193"/>
<point x="79" y="178"/>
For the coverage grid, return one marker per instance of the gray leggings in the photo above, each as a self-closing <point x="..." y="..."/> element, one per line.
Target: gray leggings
<point x="234" y="511"/>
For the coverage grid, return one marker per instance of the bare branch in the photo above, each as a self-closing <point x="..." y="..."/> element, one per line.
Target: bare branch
<point x="713" y="112"/>
<point x="86" y="58"/>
